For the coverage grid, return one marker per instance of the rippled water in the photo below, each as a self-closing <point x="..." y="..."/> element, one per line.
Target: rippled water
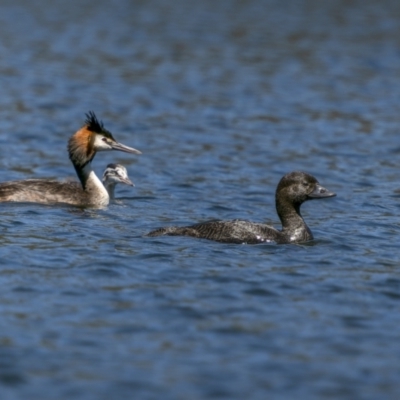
<point x="222" y="98"/>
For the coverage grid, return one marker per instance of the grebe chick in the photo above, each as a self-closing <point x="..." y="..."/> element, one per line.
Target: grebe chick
<point x="293" y="189"/>
<point x="115" y="173"/>
<point x="82" y="147"/>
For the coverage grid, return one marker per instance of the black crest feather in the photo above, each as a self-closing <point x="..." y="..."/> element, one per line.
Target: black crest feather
<point x="93" y="123"/>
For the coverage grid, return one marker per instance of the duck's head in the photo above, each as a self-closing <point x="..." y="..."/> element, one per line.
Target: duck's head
<point x="298" y="187"/>
<point x="91" y="138"/>
<point x="116" y="173"/>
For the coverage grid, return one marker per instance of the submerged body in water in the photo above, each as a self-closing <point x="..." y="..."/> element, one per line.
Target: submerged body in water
<point x="293" y="190"/>
<point x="82" y="147"/>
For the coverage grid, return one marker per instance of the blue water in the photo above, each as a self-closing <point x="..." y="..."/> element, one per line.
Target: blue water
<point x="223" y="98"/>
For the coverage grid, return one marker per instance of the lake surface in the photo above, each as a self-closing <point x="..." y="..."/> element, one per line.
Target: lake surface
<point x="223" y="98"/>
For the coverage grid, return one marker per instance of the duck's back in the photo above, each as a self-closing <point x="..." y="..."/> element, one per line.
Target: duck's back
<point x="236" y="231"/>
<point x="45" y="191"/>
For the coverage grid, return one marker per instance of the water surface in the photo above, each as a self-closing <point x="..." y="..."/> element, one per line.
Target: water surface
<point x="223" y="98"/>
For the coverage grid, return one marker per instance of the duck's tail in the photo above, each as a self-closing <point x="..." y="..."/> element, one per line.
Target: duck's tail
<point x="176" y="231"/>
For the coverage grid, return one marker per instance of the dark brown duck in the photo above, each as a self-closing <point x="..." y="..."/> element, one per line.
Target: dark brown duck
<point x="293" y="190"/>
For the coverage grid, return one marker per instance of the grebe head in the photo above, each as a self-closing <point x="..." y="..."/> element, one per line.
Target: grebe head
<point x="91" y="138"/>
<point x="116" y="173"/>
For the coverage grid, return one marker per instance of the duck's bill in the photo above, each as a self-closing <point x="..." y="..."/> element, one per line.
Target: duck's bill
<point x="320" y="192"/>
<point x="125" y="149"/>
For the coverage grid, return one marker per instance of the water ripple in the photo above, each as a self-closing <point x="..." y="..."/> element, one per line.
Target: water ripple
<point x="223" y="98"/>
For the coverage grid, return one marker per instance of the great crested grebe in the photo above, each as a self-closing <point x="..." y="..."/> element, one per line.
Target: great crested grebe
<point x="115" y="173"/>
<point x="293" y="189"/>
<point x="82" y="148"/>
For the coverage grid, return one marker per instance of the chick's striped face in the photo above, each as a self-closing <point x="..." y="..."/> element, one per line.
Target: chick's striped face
<point x="112" y="173"/>
<point x="116" y="173"/>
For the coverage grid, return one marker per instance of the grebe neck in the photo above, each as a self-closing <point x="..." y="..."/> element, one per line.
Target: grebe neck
<point x="92" y="184"/>
<point x="110" y="187"/>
